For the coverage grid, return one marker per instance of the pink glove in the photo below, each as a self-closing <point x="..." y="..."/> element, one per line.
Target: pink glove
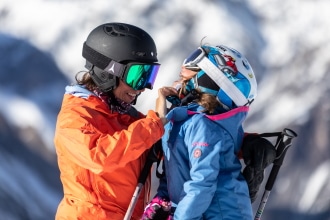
<point x="159" y="208"/>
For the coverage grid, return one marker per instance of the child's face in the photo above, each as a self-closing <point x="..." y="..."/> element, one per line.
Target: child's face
<point x="186" y="74"/>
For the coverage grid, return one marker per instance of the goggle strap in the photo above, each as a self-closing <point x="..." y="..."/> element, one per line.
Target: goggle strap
<point x="222" y="81"/>
<point x="95" y="57"/>
<point x="115" y="68"/>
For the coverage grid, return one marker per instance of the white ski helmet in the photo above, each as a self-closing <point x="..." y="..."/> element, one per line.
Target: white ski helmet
<point x="223" y="72"/>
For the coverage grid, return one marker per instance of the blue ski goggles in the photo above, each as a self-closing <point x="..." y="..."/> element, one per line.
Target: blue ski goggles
<point x="137" y="75"/>
<point x="193" y="59"/>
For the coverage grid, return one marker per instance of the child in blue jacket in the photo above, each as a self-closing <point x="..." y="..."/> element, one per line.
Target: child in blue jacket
<point x="202" y="140"/>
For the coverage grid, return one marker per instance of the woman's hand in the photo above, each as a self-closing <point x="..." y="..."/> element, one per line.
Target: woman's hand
<point x="161" y="107"/>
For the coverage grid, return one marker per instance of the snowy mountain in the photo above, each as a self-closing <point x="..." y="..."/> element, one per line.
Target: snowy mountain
<point x="286" y="42"/>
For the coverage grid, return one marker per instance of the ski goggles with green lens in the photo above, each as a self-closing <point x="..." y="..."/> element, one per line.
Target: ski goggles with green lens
<point x="141" y="75"/>
<point x="137" y="75"/>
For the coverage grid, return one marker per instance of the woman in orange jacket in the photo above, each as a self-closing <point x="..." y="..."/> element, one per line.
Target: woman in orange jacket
<point x="101" y="139"/>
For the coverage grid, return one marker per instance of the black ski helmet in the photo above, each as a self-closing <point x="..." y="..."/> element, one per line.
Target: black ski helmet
<point x="119" y="42"/>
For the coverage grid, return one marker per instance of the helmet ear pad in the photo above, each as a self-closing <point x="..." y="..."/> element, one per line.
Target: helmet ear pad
<point x="224" y="99"/>
<point x="206" y="84"/>
<point x="104" y="80"/>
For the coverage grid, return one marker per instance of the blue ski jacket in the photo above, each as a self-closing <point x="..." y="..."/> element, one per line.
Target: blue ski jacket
<point x="203" y="172"/>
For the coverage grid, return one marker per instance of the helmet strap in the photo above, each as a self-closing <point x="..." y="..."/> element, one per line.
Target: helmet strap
<point x="223" y="82"/>
<point x="134" y="101"/>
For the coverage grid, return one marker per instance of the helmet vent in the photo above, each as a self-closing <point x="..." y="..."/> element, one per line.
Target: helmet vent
<point x="221" y="47"/>
<point x="118" y="30"/>
<point x="245" y="64"/>
<point x="139" y="54"/>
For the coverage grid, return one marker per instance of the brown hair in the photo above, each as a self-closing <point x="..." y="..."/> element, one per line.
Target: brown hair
<point x="208" y="101"/>
<point x="85" y="80"/>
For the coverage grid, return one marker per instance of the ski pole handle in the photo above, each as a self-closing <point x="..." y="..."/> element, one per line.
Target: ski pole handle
<point x="282" y="145"/>
<point x="151" y="158"/>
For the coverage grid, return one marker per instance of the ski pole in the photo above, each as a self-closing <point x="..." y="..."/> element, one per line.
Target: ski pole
<point x="151" y="158"/>
<point x="282" y="145"/>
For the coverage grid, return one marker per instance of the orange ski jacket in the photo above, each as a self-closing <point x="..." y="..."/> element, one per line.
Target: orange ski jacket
<point x="100" y="156"/>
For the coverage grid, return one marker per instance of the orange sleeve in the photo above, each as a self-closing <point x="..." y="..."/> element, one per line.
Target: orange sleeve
<point x="128" y="145"/>
<point x="92" y="142"/>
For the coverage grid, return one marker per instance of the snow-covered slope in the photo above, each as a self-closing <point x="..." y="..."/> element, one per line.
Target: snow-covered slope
<point x="287" y="43"/>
